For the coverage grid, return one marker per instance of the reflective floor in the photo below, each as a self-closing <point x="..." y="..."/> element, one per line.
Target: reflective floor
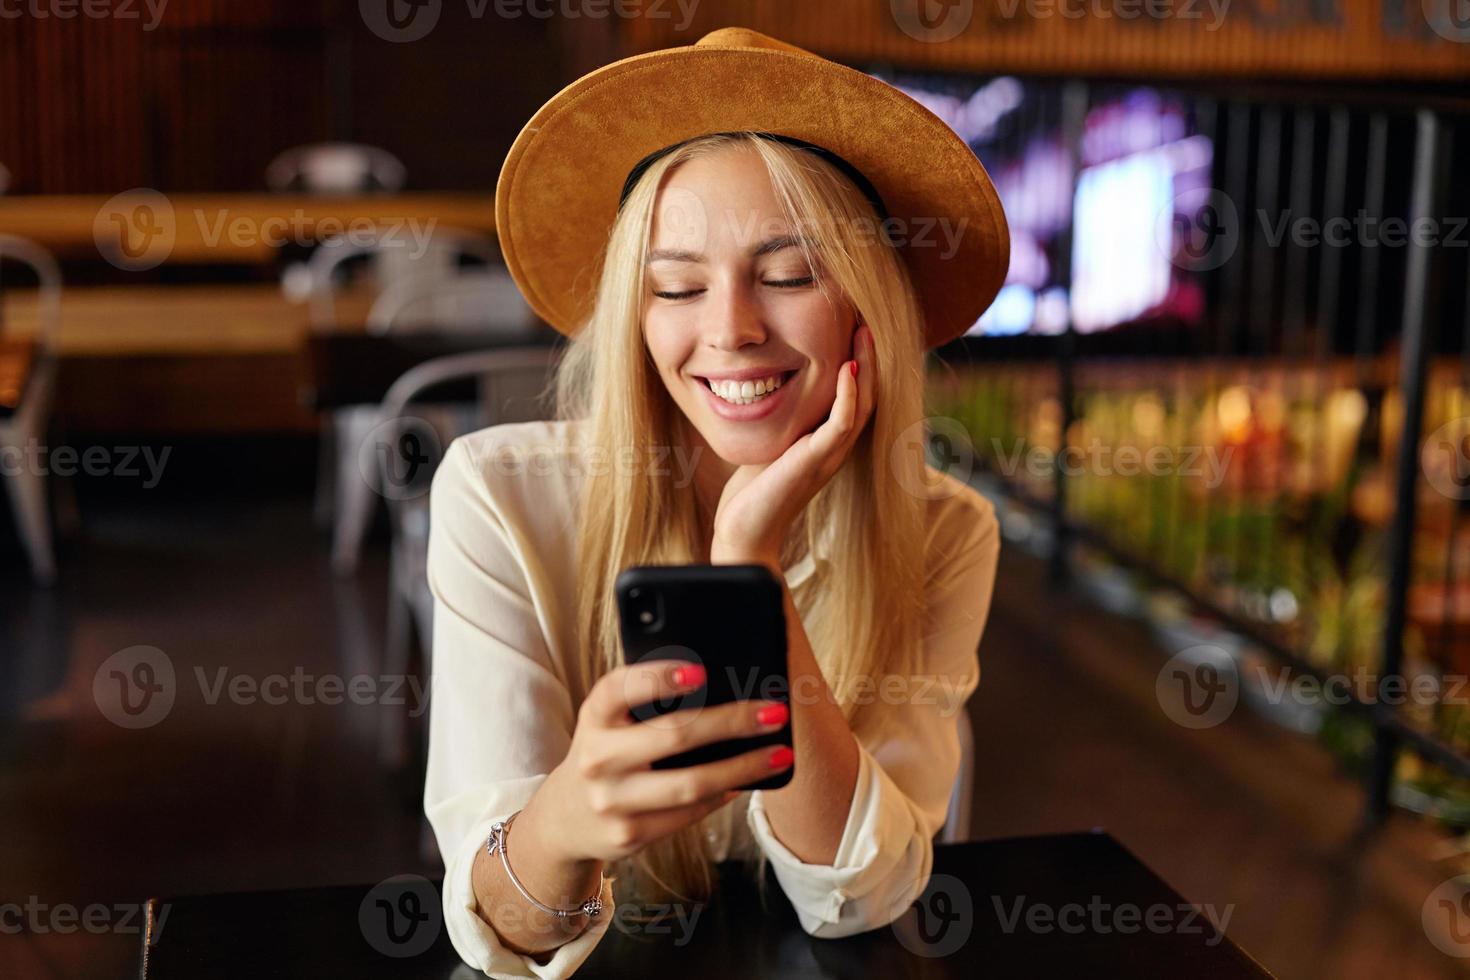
<point x="223" y="572"/>
<point x="228" y="790"/>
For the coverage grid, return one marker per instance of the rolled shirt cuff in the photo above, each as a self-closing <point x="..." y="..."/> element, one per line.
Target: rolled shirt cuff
<point x="473" y="938"/>
<point x="882" y="862"/>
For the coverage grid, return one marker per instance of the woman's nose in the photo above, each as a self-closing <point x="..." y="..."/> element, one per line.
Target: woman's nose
<point x="733" y="319"/>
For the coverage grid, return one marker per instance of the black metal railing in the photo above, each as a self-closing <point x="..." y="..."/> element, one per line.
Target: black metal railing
<point x="1326" y="364"/>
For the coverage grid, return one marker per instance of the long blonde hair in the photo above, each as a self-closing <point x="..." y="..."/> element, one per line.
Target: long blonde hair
<point x="862" y="608"/>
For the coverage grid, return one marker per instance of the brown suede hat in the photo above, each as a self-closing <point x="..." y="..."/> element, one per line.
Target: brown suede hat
<point x="562" y="182"/>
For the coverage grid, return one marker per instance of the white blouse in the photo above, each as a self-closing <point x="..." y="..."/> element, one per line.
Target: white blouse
<point x="501" y="568"/>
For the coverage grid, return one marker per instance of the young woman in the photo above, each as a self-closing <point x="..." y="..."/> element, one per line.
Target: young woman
<point x="730" y="234"/>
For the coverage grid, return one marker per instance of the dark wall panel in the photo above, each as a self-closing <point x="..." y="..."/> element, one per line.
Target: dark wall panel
<point x="204" y="99"/>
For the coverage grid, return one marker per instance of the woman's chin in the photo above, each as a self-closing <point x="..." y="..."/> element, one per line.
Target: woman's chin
<point x="744" y="452"/>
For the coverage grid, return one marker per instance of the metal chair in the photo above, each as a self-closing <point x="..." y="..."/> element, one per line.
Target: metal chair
<point x="957" y="822"/>
<point x="485" y="303"/>
<point x="27" y="425"/>
<point x="336" y="168"/>
<point x="392" y="258"/>
<point x="510" y="384"/>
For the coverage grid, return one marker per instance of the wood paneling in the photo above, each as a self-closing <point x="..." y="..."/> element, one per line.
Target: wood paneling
<point x="205" y="95"/>
<point x="186" y="95"/>
<point x="1359" y="39"/>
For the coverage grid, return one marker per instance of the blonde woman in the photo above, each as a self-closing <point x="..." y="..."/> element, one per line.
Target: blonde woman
<point x="730" y="234"/>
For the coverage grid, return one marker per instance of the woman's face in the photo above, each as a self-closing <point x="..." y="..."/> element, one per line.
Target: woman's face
<point x="731" y="305"/>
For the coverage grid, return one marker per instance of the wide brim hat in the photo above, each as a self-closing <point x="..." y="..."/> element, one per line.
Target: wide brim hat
<point x="562" y="182"/>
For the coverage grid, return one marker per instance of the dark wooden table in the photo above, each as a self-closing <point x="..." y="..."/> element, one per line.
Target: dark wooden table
<point x="1073" y="905"/>
<point x="357" y="368"/>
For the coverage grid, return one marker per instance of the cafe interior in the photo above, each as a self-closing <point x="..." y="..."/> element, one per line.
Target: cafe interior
<point x="251" y="290"/>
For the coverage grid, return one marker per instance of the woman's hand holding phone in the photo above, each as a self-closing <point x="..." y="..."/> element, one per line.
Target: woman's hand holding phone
<point x="606" y="800"/>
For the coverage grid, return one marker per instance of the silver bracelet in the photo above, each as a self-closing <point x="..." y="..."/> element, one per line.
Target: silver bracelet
<point x="499" y="841"/>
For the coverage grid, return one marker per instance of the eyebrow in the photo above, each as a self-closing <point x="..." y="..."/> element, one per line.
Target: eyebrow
<point x="766" y="247"/>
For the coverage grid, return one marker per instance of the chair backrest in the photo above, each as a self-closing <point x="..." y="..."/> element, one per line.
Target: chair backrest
<point x="510" y="383"/>
<point x="395" y="257"/>
<point x="335" y="168"/>
<point x="957" y="821"/>
<point x="484" y="301"/>
<point x="43" y="265"/>
<point x="503" y="378"/>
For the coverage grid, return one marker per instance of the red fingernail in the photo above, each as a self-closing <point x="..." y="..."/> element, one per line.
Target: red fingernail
<point x="689" y="675"/>
<point x="772" y="714"/>
<point x="853" y="366"/>
<point x="781" y="758"/>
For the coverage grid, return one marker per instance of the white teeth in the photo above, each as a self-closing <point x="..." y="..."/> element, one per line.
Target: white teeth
<point x="745" y="392"/>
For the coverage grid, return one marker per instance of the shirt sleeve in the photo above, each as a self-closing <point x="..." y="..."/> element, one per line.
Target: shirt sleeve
<point x="501" y="716"/>
<point x="907" y="772"/>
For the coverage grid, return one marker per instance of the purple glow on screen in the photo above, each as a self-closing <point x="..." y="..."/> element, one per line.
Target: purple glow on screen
<point x="1139" y="165"/>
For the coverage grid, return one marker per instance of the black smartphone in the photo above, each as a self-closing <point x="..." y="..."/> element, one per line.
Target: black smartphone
<point x="729" y="619"/>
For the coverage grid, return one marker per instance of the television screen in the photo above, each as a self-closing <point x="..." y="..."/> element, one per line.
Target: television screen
<point x="1125" y="194"/>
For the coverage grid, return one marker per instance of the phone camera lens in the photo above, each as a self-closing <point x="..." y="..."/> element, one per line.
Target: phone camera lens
<point x="643" y="606"/>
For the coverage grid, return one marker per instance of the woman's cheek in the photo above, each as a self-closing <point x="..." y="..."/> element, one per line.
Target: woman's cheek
<point x="816" y="403"/>
<point x="663" y="345"/>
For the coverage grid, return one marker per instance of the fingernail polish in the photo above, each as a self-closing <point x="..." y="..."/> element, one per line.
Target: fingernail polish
<point x="689" y="675"/>
<point x="852" y="365"/>
<point x="781" y="758"/>
<point x="772" y="714"/>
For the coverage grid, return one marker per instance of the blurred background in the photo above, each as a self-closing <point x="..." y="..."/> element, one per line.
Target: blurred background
<point x="249" y="289"/>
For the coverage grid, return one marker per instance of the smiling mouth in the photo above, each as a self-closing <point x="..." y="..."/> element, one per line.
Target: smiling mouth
<point x="748" y="392"/>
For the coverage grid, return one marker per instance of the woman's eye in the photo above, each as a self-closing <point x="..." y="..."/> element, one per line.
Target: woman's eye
<point x="793" y="283"/>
